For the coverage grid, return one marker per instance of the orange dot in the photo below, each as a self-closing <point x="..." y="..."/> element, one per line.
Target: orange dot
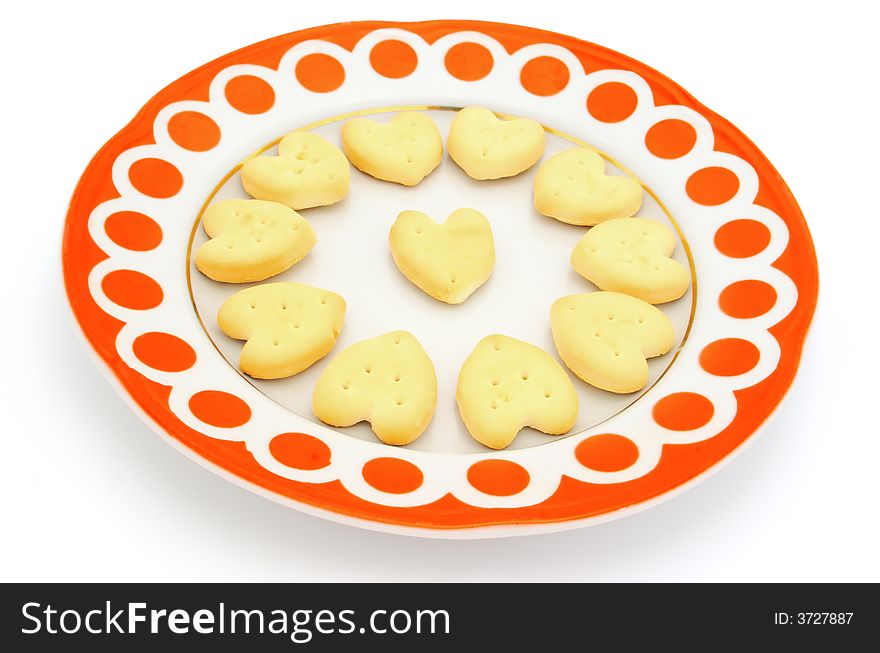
<point x="134" y="231"/>
<point x="612" y="102"/>
<point x="392" y="475"/>
<point x="742" y="238"/>
<point x="712" y="186"/>
<point x="155" y="177"/>
<point x="394" y="59"/>
<point x="300" y="451"/>
<point x="747" y="299"/>
<point x="729" y="357"/>
<point x="607" y="452"/>
<point x="544" y="76"/>
<point x="193" y="131"/>
<point x="320" y="73"/>
<point x="683" y="411"/>
<point x="131" y="289"/>
<point x="249" y="94"/>
<point x="219" y="408"/>
<point x="670" y="139"/>
<point x="163" y="352"/>
<point x="469" y="61"/>
<point x="500" y="478"/>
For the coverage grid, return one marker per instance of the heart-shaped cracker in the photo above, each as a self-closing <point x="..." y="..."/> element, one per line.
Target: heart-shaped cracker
<point x="631" y="256"/>
<point x="388" y="381"/>
<point x="252" y="240"/>
<point x="404" y="150"/>
<point x="487" y="147"/>
<point x="308" y="171"/>
<point x="606" y="337"/>
<point x="572" y="187"/>
<point x="287" y="326"/>
<point x="507" y="384"/>
<point x="449" y="261"/>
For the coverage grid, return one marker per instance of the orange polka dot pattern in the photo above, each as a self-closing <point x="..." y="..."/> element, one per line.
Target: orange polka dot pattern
<point x="133" y="230"/>
<point x="249" y="94"/>
<point x="670" y="139"/>
<point x="219" y="409"/>
<point x="320" y="73"/>
<point x="729" y="357"/>
<point x="155" y="178"/>
<point x="499" y="478"/>
<point x="393" y="59"/>
<point x="163" y="352"/>
<point x="469" y="62"/>
<point x="132" y="289"/>
<point x="300" y="451"/>
<point x="194" y="131"/>
<point x="747" y="299"/>
<point x="742" y="238"/>
<point x="392" y="475"/>
<point x="683" y="411"/>
<point x="712" y="186"/>
<point x="612" y="102"/>
<point x="544" y="76"/>
<point x="607" y="452"/>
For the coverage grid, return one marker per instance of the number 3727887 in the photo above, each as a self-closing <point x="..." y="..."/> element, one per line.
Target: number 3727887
<point x="813" y="618"/>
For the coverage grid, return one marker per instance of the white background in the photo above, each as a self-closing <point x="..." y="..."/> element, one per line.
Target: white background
<point x="89" y="492"/>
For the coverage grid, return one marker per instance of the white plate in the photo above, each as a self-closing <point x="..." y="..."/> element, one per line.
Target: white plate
<point x="740" y="328"/>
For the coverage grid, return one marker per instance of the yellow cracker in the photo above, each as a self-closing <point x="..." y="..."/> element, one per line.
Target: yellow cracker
<point x="449" y="261"/>
<point x="404" y="150"/>
<point x="287" y="326"/>
<point x="572" y="187"/>
<point x="507" y="384"/>
<point x="487" y="147"/>
<point x="308" y="171"/>
<point x="388" y="381"/>
<point x="252" y="240"/>
<point x="632" y="256"/>
<point x="606" y="337"/>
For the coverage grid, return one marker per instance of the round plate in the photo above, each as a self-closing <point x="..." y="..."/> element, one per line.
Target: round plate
<point x="134" y="219"/>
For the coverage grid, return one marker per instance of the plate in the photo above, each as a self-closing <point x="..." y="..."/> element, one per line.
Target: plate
<point x="148" y="315"/>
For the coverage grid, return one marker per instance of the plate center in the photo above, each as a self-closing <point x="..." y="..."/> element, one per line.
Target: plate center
<point x="352" y="258"/>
